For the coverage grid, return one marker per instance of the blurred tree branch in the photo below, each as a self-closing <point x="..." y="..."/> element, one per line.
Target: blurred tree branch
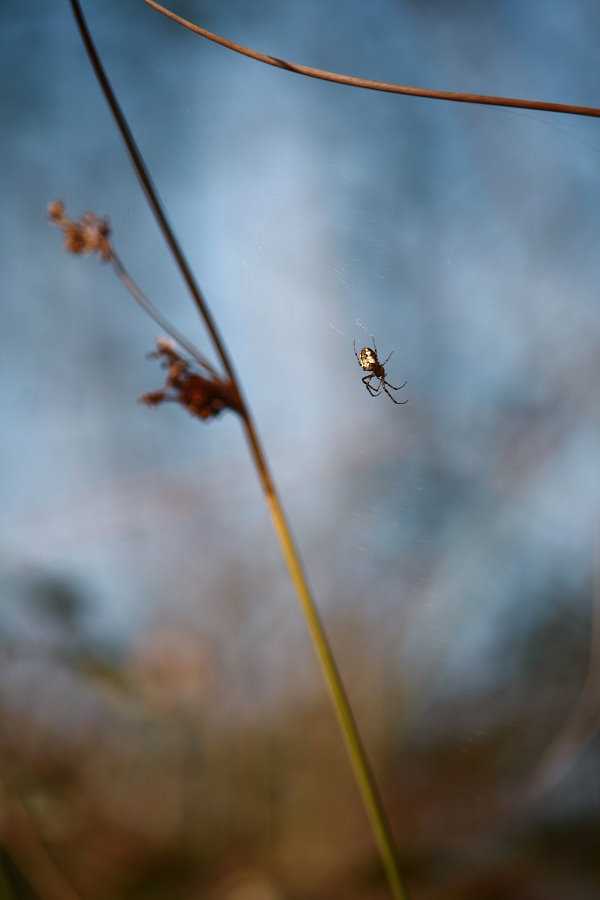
<point x="584" y="721"/>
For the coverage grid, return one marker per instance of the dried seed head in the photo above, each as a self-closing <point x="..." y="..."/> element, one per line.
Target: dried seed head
<point x="202" y="397"/>
<point x="89" y="235"/>
<point x="56" y="211"/>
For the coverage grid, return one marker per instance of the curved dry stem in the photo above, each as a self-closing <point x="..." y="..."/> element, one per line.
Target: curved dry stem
<point x="367" y="84"/>
<point x="29" y="852"/>
<point x="583" y="723"/>
<point x="354" y="746"/>
<point x="154" y="313"/>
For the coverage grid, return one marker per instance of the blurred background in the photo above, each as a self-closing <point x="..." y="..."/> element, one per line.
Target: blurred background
<point x="164" y="731"/>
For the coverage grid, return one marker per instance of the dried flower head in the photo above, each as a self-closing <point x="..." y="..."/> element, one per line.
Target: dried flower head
<point x="202" y="397"/>
<point x="89" y="235"/>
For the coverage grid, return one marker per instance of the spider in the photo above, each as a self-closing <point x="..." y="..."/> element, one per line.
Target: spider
<point x="369" y="361"/>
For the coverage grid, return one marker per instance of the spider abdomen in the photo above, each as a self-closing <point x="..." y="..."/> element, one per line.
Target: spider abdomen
<point x="368" y="360"/>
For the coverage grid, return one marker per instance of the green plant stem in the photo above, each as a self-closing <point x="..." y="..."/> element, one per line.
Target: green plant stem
<point x="354" y="746"/>
<point x="356" y="751"/>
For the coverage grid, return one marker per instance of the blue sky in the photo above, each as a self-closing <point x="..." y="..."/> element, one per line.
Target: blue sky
<point x="463" y="238"/>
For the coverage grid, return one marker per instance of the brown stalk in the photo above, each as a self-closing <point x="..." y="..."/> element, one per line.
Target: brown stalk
<point x="356" y="752"/>
<point x="367" y="84"/>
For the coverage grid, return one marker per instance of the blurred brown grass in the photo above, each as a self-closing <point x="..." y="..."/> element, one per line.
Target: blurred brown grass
<point x="131" y="782"/>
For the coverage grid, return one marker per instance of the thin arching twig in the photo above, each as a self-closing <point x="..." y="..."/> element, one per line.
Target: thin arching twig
<point x="353" y="81"/>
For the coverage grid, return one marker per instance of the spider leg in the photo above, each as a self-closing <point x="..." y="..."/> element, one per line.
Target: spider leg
<point x="367" y="383"/>
<point x="385" y="360"/>
<point x="397" y="388"/>
<point x="356" y="354"/>
<point x="399" y="402"/>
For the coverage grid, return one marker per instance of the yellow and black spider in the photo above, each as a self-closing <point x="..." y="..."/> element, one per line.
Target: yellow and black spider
<point x="369" y="362"/>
